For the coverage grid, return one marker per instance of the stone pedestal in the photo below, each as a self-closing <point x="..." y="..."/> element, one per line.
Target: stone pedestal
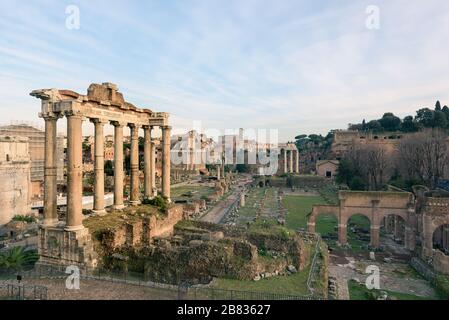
<point x="57" y="246"/>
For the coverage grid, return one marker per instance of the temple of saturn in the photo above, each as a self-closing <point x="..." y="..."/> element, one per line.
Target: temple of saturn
<point x="69" y="242"/>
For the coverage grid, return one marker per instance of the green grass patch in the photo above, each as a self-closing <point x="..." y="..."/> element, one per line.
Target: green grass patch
<point x="298" y="209"/>
<point x="195" y="192"/>
<point x="360" y="292"/>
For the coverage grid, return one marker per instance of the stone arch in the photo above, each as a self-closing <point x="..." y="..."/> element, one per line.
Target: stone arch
<point x="369" y="230"/>
<point x="395" y="225"/>
<point x="440" y="239"/>
<point x="319" y="210"/>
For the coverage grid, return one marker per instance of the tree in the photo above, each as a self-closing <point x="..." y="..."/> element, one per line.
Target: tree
<point x="390" y="122"/>
<point x="425" y="117"/>
<point x="357" y="183"/>
<point x="438" y="106"/>
<point x="423" y="156"/>
<point x="18" y="258"/>
<point x="108" y="168"/>
<point x="409" y="125"/>
<point x="439" y="120"/>
<point x="374" y="125"/>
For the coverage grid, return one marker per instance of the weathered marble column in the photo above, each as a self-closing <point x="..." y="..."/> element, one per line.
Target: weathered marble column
<point x="74" y="173"/>
<point x="153" y="168"/>
<point x="342" y="234"/>
<point x="118" y="165"/>
<point x="291" y="161"/>
<point x="134" y="163"/>
<point x="148" y="180"/>
<point x="375" y="236"/>
<point x="50" y="171"/>
<point x="166" y="130"/>
<point x="99" y="167"/>
<point x="297" y="162"/>
<point x="285" y="160"/>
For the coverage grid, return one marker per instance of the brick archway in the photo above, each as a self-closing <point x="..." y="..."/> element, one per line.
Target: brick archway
<point x="374" y="205"/>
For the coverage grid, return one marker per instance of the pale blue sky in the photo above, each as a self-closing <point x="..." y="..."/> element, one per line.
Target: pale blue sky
<point x="299" y="66"/>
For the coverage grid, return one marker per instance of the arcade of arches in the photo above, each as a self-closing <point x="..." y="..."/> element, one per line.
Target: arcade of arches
<point x="421" y="222"/>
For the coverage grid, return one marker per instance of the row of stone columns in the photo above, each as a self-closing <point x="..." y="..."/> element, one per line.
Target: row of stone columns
<point x="75" y="167"/>
<point x="290" y="166"/>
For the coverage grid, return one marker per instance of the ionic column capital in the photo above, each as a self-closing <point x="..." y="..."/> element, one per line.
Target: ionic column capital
<point x="118" y="124"/>
<point x="51" y="116"/>
<point x="134" y="125"/>
<point x="166" y="127"/>
<point x="74" y="114"/>
<point x="98" y="121"/>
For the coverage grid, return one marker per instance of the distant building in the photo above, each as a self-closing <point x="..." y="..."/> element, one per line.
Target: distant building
<point x="327" y="168"/>
<point x="36" y="141"/>
<point x="15" y="165"/>
<point x="344" y="140"/>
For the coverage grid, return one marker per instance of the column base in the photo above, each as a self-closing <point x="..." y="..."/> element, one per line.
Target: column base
<point x="134" y="203"/>
<point x="73" y="228"/>
<point x="118" y="206"/>
<point x="99" y="212"/>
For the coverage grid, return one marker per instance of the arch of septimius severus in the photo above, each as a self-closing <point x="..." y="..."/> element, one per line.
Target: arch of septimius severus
<point x="103" y="104"/>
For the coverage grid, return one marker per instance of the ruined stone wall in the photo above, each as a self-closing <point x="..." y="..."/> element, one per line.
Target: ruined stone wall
<point x="15" y="184"/>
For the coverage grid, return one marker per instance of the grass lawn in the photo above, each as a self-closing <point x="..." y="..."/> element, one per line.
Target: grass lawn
<point x="360" y="292"/>
<point x="191" y="192"/>
<point x="298" y="208"/>
<point x="295" y="284"/>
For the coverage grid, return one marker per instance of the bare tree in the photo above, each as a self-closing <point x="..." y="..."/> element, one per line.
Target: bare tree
<point x="424" y="156"/>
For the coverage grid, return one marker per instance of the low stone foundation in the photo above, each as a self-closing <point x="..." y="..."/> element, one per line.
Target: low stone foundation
<point x="57" y="246"/>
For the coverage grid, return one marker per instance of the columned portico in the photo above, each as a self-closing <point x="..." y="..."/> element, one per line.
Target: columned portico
<point x="99" y="166"/>
<point x="74" y="172"/>
<point x="71" y="243"/>
<point x="50" y="176"/>
<point x="134" y="163"/>
<point x="166" y="130"/>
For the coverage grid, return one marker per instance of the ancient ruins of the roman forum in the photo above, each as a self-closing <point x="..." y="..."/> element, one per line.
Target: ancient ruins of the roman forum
<point x="215" y="150"/>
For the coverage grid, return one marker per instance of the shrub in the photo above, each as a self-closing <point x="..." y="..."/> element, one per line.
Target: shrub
<point x="158" y="201"/>
<point x="24" y="218"/>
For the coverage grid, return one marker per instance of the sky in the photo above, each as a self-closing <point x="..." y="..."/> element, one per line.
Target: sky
<point x="300" y="67"/>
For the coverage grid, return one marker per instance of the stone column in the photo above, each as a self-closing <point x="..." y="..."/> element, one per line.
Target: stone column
<point x="118" y="165"/>
<point x="153" y="168"/>
<point x="148" y="180"/>
<point x="285" y="161"/>
<point x="342" y="234"/>
<point x="396" y="227"/>
<point x="74" y="173"/>
<point x="375" y="236"/>
<point x="134" y="163"/>
<point x="242" y="199"/>
<point x="166" y="130"/>
<point x="291" y="161"/>
<point x="297" y="161"/>
<point x="99" y="167"/>
<point x="218" y="172"/>
<point x="50" y="171"/>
